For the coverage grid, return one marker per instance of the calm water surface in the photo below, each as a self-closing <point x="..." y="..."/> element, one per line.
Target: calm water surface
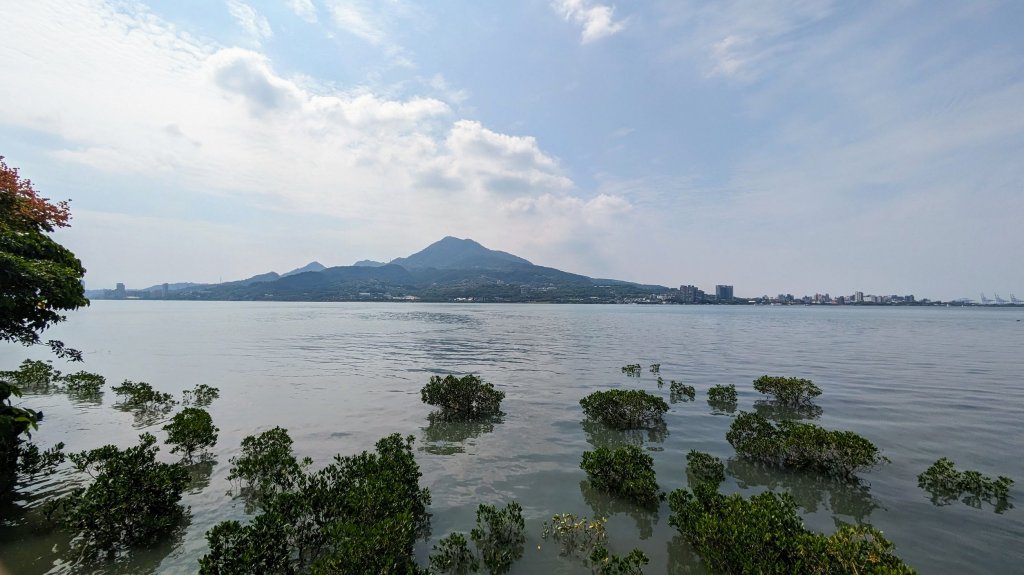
<point x="920" y="383"/>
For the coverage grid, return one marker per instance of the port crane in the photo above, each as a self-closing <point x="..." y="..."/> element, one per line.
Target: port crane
<point x="1014" y="300"/>
<point x="999" y="300"/>
<point x="985" y="300"/>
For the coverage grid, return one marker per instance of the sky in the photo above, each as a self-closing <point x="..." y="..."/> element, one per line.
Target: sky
<point x="780" y="146"/>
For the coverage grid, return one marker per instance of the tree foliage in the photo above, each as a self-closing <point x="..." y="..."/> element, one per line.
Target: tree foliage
<point x="267" y="466"/>
<point x="360" y="514"/>
<point x="704" y="467"/>
<point x="201" y="395"/>
<point x="722" y="394"/>
<point x="41" y="279"/>
<point x="680" y="392"/>
<point x="461" y="398"/>
<point x="625" y="471"/>
<point x="132" y="500"/>
<point x="625" y="408"/>
<point x="789" y="391"/>
<point x="191" y="430"/>
<point x="764" y="534"/>
<point x="801" y="445"/>
<point x="946" y="484"/>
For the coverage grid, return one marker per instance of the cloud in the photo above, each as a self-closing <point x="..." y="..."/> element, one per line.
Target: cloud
<point x="304" y="9"/>
<point x="159" y="112"/>
<point x="740" y="39"/>
<point x="597" y="20"/>
<point x="255" y="25"/>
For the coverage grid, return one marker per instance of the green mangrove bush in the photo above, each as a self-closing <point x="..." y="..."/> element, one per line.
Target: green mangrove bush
<point x="499" y="535"/>
<point x="266" y="465"/>
<point x="655" y="368"/>
<point x="790" y="391"/>
<point x="452" y="555"/>
<point x="34" y="377"/>
<point x="677" y="391"/>
<point x="466" y="397"/>
<point x="704" y="467"/>
<point x="633" y="369"/>
<point x="946" y="484"/>
<point x="625" y="408"/>
<point x="191" y="430"/>
<point x="360" y="514"/>
<point x="83" y="383"/>
<point x="608" y="564"/>
<point x="801" y="445"/>
<point x="133" y="499"/>
<point x="201" y="395"/>
<point x="139" y="394"/>
<point x="764" y="534"/>
<point x="722" y="394"/>
<point x="578" y="536"/>
<point x="625" y="471"/>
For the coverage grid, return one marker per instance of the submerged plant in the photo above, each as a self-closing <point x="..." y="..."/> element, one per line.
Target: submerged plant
<point x="801" y="445"/>
<point x="84" y="385"/>
<point x="201" y="395"/>
<point x="625" y="471"/>
<point x="625" y="408"/>
<point x="677" y="392"/>
<point x="267" y="465"/>
<point x="466" y="397"/>
<point x="578" y="536"/>
<point x="722" y="394"/>
<point x="499" y="535"/>
<point x="790" y="391"/>
<point x="360" y="514"/>
<point x="632" y="370"/>
<point x="701" y="467"/>
<point x="34" y="377"/>
<point x="452" y="555"/>
<point x="764" y="534"/>
<point x="655" y="367"/>
<point x="190" y="430"/>
<point x="133" y="498"/>
<point x="141" y="395"/>
<point x="946" y="484"/>
<point x="608" y="564"/>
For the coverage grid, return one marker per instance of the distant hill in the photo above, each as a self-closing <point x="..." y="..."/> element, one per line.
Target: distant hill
<point x="310" y="267"/>
<point x="453" y="253"/>
<point x="451" y="269"/>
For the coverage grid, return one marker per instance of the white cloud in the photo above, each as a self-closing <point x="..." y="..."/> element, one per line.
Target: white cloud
<point x="195" y="116"/>
<point x="304" y="9"/>
<point x="255" y="25"/>
<point x="597" y="20"/>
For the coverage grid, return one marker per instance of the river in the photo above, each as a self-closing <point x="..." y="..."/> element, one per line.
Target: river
<point x="921" y="383"/>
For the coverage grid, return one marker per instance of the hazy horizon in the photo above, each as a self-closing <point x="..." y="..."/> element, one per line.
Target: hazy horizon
<point x="786" y="146"/>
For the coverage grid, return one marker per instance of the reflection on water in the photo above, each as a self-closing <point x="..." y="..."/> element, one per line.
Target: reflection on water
<point x="941" y="497"/>
<point x="811" y="491"/>
<point x="723" y="407"/>
<point x="199" y="474"/>
<point x="146" y="415"/>
<point x="600" y="435"/>
<point x="682" y="559"/>
<point x="772" y="409"/>
<point x="603" y="504"/>
<point x="448" y="437"/>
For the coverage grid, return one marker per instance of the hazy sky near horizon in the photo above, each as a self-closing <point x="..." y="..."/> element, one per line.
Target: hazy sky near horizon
<point x="776" y="145"/>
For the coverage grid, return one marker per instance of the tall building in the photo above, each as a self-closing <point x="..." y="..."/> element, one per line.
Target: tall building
<point x="723" y="293"/>
<point x="690" y="294"/>
<point x="120" y="292"/>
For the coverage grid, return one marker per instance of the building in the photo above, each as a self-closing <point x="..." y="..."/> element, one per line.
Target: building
<point x="120" y="292"/>
<point x="723" y="293"/>
<point x="690" y="294"/>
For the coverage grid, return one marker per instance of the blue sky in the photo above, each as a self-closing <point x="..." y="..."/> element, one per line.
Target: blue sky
<point x="778" y="145"/>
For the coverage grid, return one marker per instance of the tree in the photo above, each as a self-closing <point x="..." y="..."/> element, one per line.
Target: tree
<point x="39" y="278"/>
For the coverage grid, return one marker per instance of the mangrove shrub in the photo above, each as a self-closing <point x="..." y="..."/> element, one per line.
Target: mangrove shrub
<point x="765" y="535"/>
<point x="704" y="467"/>
<point x="790" y="391"/>
<point x="722" y="394"/>
<point x="678" y="391"/>
<point x="266" y="465"/>
<point x="360" y="514"/>
<point x="466" y="397"/>
<point x="201" y="395"/>
<point x="801" y="445"/>
<point x="625" y="408"/>
<point x="191" y="430"/>
<point x="946" y="484"/>
<point x="133" y="498"/>
<point x="625" y="471"/>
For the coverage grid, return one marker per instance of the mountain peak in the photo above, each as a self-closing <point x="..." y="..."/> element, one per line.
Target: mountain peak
<point x="313" y="266"/>
<point x="451" y="252"/>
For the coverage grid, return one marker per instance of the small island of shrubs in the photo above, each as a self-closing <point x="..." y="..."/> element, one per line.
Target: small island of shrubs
<point x="625" y="408"/>
<point x="462" y="398"/>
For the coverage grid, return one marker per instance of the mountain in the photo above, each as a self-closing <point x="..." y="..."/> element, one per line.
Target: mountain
<point x="451" y="269"/>
<point x="455" y="253"/>
<point x="310" y="267"/>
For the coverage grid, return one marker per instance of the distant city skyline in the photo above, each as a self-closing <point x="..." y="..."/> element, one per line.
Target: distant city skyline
<point x="776" y="146"/>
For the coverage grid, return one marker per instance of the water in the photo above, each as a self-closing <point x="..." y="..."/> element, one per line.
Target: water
<point x="921" y="383"/>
